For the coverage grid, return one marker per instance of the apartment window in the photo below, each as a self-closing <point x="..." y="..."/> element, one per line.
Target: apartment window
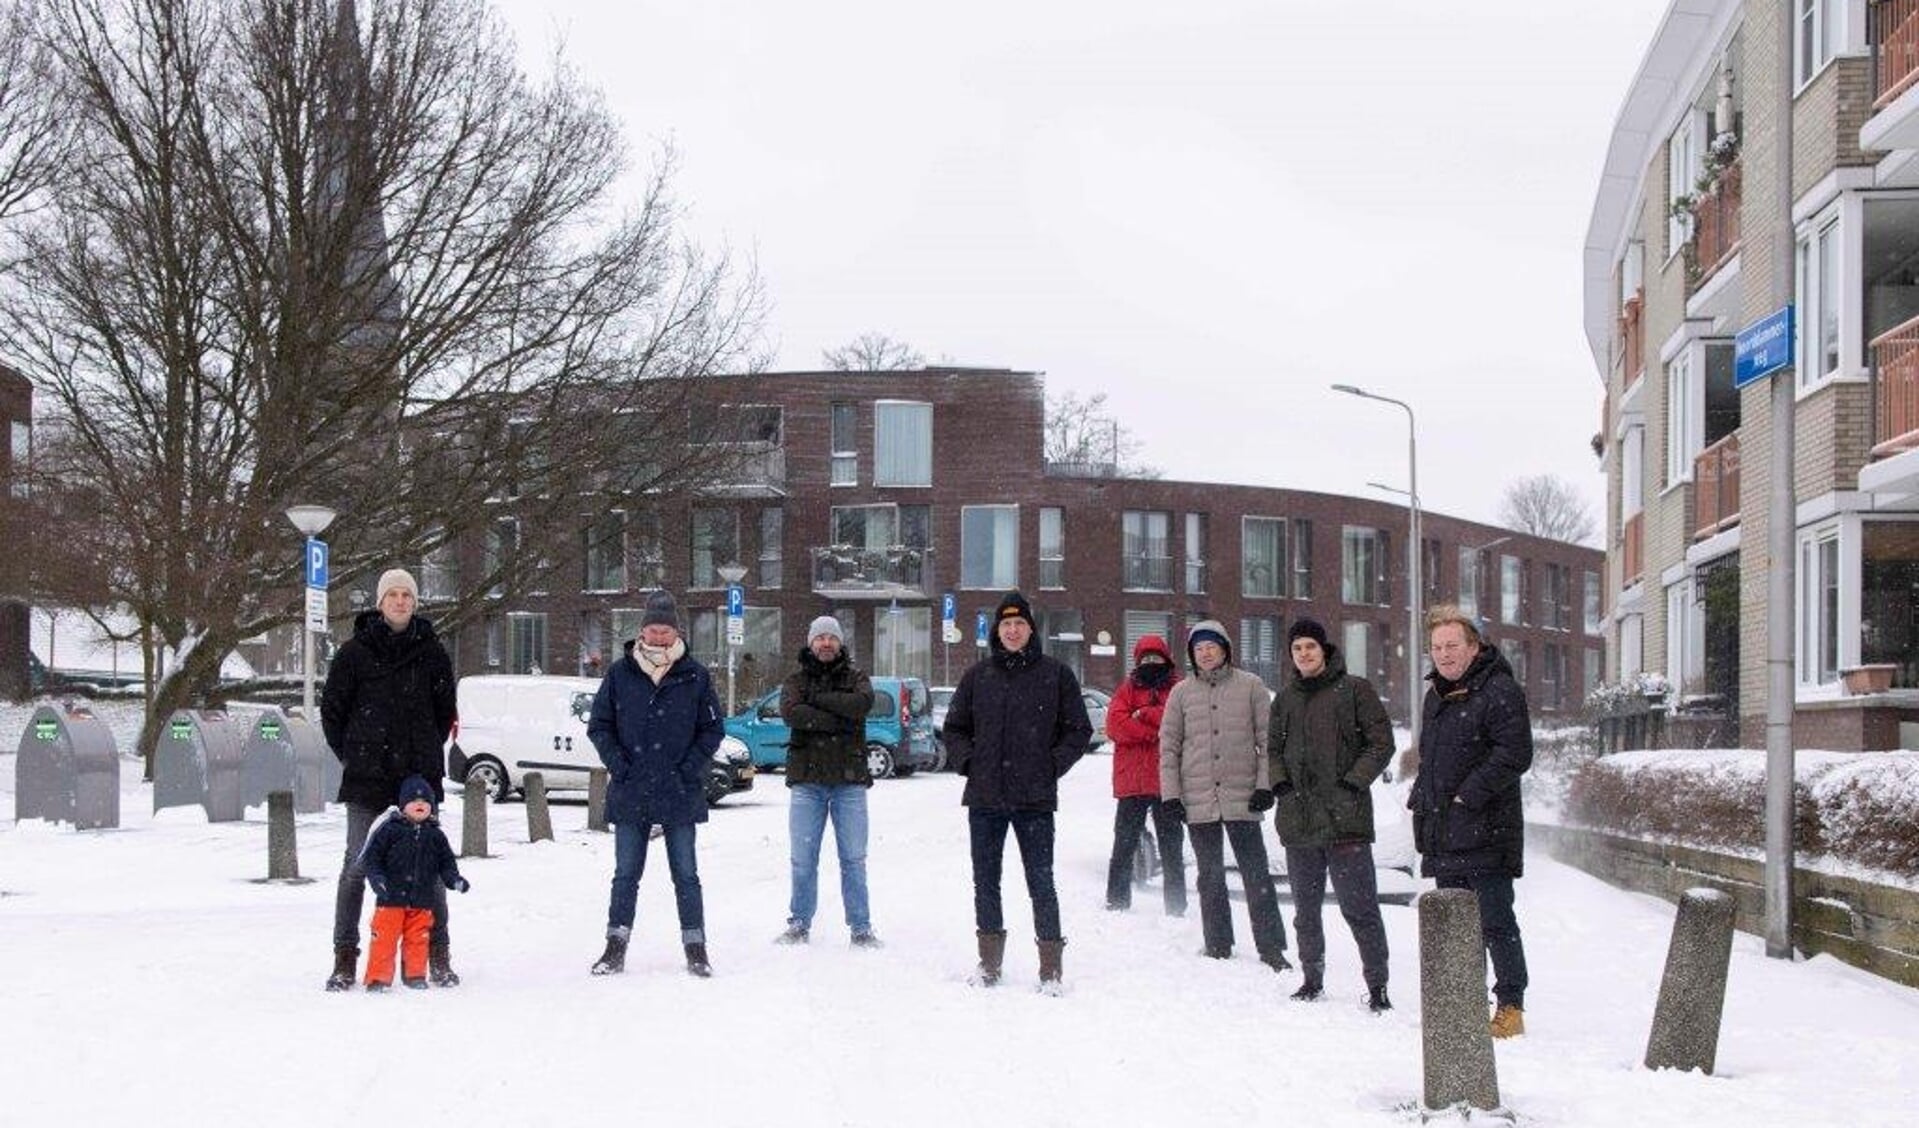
<point x="903" y="642"/>
<point x="707" y="639"/>
<point x="716" y="541"/>
<point x="1262" y="551"/>
<point x="1815" y="38"/>
<point x="1819" y="607"/>
<point x="1632" y="645"/>
<point x="1064" y="632"/>
<point x="502" y="553"/>
<point x="603" y="551"/>
<point x="845" y="444"/>
<point x="527" y="449"/>
<point x="436" y="572"/>
<point x="1363" y="565"/>
<point x="1302" y="558"/>
<point x="1357" y="640"/>
<point x="1889" y="597"/>
<point x="1820" y="301"/>
<point x="1469" y="581"/>
<point x="1515" y="652"/>
<point x="649" y="555"/>
<point x="1557" y="612"/>
<point x="1632" y="466"/>
<point x="1552" y="676"/>
<point x="1682" y="175"/>
<point x="725" y="424"/>
<point x="1139" y="624"/>
<point x="1259" y="651"/>
<point x="1511" y="572"/>
<point x="1196" y="553"/>
<point x="21" y="436"/>
<point x="1146" y="553"/>
<point x="1052" y="548"/>
<point x="1432" y="558"/>
<point x="772" y="547"/>
<point x="902" y="443"/>
<point x="989" y="546"/>
<point x="866" y="526"/>
<point x="526" y="642"/>
<point x="592" y="644"/>
<point x="1685" y="628"/>
<point x="1595" y="609"/>
<point x="1595" y="672"/>
<point x="1682" y="423"/>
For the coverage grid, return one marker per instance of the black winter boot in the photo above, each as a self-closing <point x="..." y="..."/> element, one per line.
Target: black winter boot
<point x="1376" y="1000"/>
<point x="439" y="965"/>
<point x="1315" y="984"/>
<point x="344" y="960"/>
<point x="696" y="964"/>
<point x="613" y="960"/>
<point x="992" y="955"/>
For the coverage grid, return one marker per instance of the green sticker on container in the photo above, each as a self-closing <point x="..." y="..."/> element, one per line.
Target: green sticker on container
<point x="269" y="730"/>
<point x="180" y="730"/>
<point x="46" y="730"/>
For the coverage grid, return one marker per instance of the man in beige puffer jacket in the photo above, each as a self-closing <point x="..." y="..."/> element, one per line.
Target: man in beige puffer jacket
<point x="1213" y="773"/>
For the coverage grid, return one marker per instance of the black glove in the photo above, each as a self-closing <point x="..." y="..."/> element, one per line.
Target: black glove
<point x="1282" y="790"/>
<point x="1262" y="800"/>
<point x="1352" y="787"/>
<point x="1175" y="808"/>
<point x="378" y="885"/>
<point x="461" y="885"/>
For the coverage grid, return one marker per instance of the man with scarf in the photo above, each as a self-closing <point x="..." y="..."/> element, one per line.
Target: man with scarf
<point x="1016" y="724"/>
<point x="1132" y="720"/>
<point x="656" y="724"/>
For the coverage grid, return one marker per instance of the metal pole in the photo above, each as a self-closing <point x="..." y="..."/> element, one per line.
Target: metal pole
<point x="306" y="672"/>
<point x="1781" y="520"/>
<point x="729" y="677"/>
<point x="1415" y="551"/>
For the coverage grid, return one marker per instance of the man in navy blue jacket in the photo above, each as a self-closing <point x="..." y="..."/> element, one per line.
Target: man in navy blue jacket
<point x="656" y="724"/>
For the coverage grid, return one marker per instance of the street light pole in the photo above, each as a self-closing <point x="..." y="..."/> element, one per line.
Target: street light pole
<point x="1413" y="551"/>
<point x="732" y="573"/>
<point x="311" y="520"/>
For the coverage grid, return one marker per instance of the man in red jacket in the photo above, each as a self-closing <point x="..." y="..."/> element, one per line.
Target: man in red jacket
<point x="1132" y="720"/>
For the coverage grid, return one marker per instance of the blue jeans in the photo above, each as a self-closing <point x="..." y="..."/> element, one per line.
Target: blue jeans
<point x="350" y="896"/>
<point x="1501" y="929"/>
<point x="1034" y="830"/>
<point x="807" y="811"/>
<point x="629" y="862"/>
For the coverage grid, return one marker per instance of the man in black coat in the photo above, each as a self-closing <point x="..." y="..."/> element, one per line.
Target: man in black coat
<point x="1475" y="743"/>
<point x="1016" y="724"/>
<point x="386" y="711"/>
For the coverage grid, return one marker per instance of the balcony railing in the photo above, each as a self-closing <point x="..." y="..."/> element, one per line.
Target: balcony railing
<point x="1632" y="554"/>
<point x="1715" y="477"/>
<point x="849" y="572"/>
<point x="1146" y="573"/>
<point x="1715" y="217"/>
<point x="1895" y="372"/>
<point x="1893" y="29"/>
<point x="751" y="470"/>
<point x="1632" y="334"/>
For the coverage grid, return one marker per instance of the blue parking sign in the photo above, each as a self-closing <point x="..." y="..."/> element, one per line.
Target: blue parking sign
<point x="735" y="601"/>
<point x="948" y="606"/>
<point x="316" y="563"/>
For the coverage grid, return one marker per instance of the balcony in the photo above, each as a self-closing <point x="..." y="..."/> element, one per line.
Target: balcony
<point x="1632" y="553"/>
<point x="1895" y="366"/>
<point x="844" y="571"/>
<point x="749" y="470"/>
<point x="1892" y="33"/>
<point x="1715" y="228"/>
<point x="1715" y="476"/>
<point x="1146" y="573"/>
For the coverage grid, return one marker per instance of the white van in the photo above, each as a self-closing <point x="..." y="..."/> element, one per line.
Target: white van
<point x="509" y="724"/>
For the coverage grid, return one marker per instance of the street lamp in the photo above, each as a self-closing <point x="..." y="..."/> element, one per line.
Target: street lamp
<point x="732" y="572"/>
<point x="311" y="520"/>
<point x="1413" y="549"/>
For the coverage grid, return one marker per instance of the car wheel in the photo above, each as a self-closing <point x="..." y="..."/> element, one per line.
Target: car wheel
<point x="488" y="774"/>
<point x="879" y="761"/>
<point x="718" y="786"/>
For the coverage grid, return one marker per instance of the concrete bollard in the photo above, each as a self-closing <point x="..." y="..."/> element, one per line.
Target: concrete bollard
<point x="539" y="819"/>
<point x="596" y="799"/>
<point x="283" y="852"/>
<point x="1692" y="994"/>
<point x="1458" y="1040"/>
<point x="473" y="821"/>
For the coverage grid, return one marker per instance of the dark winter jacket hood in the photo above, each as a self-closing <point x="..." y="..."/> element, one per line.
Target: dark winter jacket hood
<point x="1486" y="663"/>
<point x="1332" y="671"/>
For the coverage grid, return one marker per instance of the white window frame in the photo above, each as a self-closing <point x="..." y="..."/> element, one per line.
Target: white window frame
<point x="843" y="462"/>
<point x="1632" y="472"/>
<point x="1822" y="30"/>
<point x="1052" y="548"/>
<point x="1820" y="267"/>
<point x="892" y="419"/>
<point x="1685" y="637"/>
<point x="998" y="581"/>
<point x="1685" y="431"/>
<point x="1632" y="645"/>
<point x="1193" y="548"/>
<point x="1811" y="616"/>
<point x="1684" y="151"/>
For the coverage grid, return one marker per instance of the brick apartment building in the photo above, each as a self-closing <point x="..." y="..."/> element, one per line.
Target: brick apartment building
<point x="871" y="495"/>
<point x="1682" y="252"/>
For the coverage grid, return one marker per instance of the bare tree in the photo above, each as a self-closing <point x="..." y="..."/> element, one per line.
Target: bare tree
<point x="302" y="257"/>
<point x="1546" y="505"/>
<point x="32" y="128"/>
<point x="873" y="352"/>
<point x="1083" y="438"/>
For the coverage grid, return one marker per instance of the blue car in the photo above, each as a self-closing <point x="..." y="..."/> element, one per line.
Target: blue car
<point x="899" y="729"/>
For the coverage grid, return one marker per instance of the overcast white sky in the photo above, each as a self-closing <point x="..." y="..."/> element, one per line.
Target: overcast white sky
<point x="1208" y="211"/>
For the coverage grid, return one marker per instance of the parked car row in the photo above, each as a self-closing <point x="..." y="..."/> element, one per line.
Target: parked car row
<point x="900" y="734"/>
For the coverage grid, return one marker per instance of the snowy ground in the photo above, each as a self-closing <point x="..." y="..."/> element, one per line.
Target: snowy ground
<point x="148" y="979"/>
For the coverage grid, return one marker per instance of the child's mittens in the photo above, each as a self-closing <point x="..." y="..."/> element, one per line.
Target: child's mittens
<point x="461" y="885"/>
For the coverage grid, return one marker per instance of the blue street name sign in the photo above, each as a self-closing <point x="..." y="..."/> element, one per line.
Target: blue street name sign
<point x="316" y="563"/>
<point x="1762" y="348"/>
<point x="948" y="607"/>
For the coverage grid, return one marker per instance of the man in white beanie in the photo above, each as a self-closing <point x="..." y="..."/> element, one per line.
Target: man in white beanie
<point x="825" y="702"/>
<point x="386" y="711"/>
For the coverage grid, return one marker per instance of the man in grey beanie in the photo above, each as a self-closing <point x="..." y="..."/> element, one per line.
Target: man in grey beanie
<point x="824" y="703"/>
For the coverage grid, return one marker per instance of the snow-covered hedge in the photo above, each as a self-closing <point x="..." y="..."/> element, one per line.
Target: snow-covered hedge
<point x="1860" y="808"/>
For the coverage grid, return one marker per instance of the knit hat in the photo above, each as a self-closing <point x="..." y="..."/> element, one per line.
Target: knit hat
<point x="1013" y="605"/>
<point x="416" y="787"/>
<point x="661" y="610"/>
<point x="1208" y="630"/>
<point x="1204" y="634"/>
<point x="826" y="625"/>
<point x="395" y="579"/>
<point x="1306" y="628"/>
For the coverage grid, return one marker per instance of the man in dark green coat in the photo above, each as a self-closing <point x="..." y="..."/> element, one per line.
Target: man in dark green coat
<point x="1328" y="739"/>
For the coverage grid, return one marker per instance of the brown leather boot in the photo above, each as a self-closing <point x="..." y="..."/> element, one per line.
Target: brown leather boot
<point x="1508" y="1021"/>
<point x="992" y="955"/>
<point x="1050" y="952"/>
<point x="344" y="960"/>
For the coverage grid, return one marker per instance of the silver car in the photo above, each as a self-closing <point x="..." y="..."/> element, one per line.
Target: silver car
<point x="1096" y="702"/>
